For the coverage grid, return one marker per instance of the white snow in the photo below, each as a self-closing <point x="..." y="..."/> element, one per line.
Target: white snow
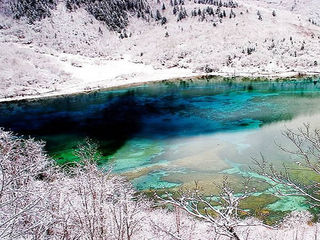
<point x="67" y="54"/>
<point x="111" y="73"/>
<point x="28" y="74"/>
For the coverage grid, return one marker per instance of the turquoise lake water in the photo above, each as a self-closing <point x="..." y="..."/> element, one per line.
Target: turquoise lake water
<point x="172" y="133"/>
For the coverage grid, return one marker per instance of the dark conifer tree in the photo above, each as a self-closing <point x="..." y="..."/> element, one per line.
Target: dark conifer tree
<point x="163" y="20"/>
<point x="33" y="10"/>
<point x="113" y="12"/>
<point x="175" y="10"/>
<point x="259" y="16"/>
<point x="158" y="15"/>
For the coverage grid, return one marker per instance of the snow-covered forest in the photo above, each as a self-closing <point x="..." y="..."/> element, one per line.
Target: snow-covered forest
<point x="49" y="42"/>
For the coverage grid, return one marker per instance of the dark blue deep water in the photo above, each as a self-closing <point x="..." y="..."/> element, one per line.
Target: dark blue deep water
<point x="162" y="110"/>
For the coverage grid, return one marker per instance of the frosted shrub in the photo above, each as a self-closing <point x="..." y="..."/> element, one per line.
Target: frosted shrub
<point x="22" y="164"/>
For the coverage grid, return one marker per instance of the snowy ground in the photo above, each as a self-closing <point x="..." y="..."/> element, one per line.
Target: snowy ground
<point x="27" y="73"/>
<point x="72" y="52"/>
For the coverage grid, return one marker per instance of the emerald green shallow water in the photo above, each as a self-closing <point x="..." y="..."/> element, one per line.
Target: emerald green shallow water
<point x="171" y="134"/>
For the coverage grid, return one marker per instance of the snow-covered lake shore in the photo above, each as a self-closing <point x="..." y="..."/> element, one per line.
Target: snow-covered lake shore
<point x="75" y="74"/>
<point x="79" y="74"/>
<point x="72" y="52"/>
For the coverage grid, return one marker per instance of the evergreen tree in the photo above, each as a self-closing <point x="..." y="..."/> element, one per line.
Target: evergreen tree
<point x="182" y="14"/>
<point x="175" y="10"/>
<point x="232" y="14"/>
<point x="259" y="16"/>
<point x="69" y="6"/>
<point x="113" y="12"/>
<point x="33" y="10"/>
<point x="158" y="15"/>
<point x="163" y="20"/>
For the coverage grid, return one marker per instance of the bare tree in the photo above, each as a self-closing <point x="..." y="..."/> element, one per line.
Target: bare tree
<point x="22" y="206"/>
<point x="94" y="204"/>
<point x="126" y="215"/>
<point x="305" y="148"/>
<point x="83" y="202"/>
<point x="221" y="211"/>
<point x="177" y="225"/>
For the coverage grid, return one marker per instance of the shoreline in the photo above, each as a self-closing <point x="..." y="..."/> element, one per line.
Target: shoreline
<point x="121" y="84"/>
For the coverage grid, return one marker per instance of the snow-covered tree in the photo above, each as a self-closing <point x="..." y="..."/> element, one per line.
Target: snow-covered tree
<point x="221" y="211"/>
<point x="24" y="169"/>
<point x="114" y="13"/>
<point x="33" y="10"/>
<point x="304" y="146"/>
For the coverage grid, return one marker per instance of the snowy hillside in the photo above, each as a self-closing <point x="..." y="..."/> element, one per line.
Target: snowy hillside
<point x="308" y="8"/>
<point x="159" y="38"/>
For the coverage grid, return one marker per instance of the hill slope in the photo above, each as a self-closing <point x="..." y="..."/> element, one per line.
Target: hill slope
<point x="251" y="38"/>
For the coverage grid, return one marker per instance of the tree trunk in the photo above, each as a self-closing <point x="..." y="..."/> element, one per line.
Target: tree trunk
<point x="234" y="234"/>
